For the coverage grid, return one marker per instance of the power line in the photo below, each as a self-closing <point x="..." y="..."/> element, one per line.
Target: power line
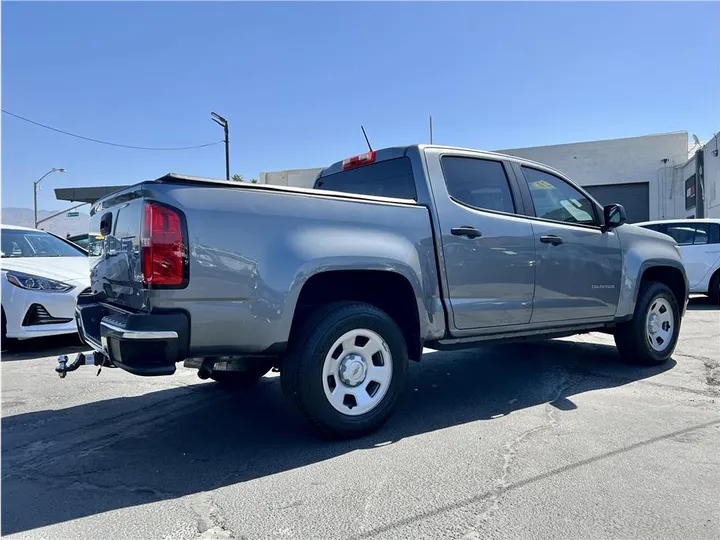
<point x="106" y="142"/>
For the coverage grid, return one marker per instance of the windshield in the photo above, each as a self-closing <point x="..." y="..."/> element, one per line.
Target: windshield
<point x="16" y="243"/>
<point x="82" y="241"/>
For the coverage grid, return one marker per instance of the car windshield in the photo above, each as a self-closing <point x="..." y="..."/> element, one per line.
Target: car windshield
<point x="18" y="243"/>
<point x="82" y="241"/>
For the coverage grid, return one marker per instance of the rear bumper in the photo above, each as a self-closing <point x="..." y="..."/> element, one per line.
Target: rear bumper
<point x="146" y="344"/>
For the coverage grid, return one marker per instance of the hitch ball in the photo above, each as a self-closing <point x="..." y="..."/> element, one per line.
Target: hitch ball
<point x="62" y="366"/>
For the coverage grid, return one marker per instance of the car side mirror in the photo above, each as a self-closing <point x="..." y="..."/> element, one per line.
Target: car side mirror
<point x="614" y="216"/>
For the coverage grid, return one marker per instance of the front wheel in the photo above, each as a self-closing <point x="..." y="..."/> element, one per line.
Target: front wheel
<point x="650" y="337"/>
<point x="346" y="369"/>
<point x="714" y="290"/>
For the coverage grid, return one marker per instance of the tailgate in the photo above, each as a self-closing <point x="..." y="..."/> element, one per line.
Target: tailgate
<point x="115" y="251"/>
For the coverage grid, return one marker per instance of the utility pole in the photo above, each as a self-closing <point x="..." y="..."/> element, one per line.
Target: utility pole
<point x="35" y="185"/>
<point x="219" y="120"/>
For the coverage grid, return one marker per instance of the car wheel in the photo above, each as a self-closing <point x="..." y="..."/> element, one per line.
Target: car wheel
<point x="650" y="337"/>
<point x="242" y="379"/>
<point x="346" y="368"/>
<point x="714" y="290"/>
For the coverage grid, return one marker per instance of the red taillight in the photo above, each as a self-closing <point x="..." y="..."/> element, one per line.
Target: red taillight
<point x="164" y="253"/>
<point x="358" y="161"/>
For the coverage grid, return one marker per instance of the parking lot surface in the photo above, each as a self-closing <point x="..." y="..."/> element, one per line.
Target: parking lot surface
<point x="556" y="439"/>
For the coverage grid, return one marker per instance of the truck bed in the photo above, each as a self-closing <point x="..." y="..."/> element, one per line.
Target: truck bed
<point x="174" y="178"/>
<point x="250" y="249"/>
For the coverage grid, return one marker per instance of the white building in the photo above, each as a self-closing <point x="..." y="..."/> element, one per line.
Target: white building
<point x="304" y="178"/>
<point x="653" y="176"/>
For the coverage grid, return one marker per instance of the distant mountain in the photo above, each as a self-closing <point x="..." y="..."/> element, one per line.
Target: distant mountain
<point x="60" y="225"/>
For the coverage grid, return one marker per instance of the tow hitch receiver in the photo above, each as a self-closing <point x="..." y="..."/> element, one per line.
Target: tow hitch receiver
<point x="82" y="359"/>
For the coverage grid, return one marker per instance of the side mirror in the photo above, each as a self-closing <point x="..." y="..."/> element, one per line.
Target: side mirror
<point x="614" y="216"/>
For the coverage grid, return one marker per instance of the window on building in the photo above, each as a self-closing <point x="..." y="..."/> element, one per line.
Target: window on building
<point x="557" y="200"/>
<point x="478" y="183"/>
<point x="690" y="195"/>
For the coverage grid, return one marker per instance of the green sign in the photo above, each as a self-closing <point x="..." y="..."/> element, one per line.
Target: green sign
<point x="73" y="214"/>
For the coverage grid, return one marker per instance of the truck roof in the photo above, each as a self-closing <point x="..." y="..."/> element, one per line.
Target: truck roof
<point x="401" y="151"/>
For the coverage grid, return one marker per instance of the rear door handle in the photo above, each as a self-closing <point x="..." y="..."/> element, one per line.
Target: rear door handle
<point x="551" y="239"/>
<point x="466" y="230"/>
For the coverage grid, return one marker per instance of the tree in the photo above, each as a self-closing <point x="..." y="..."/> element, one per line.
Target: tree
<point x="239" y="178"/>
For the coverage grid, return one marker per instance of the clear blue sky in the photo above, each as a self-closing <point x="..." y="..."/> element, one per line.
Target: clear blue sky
<point x="296" y="81"/>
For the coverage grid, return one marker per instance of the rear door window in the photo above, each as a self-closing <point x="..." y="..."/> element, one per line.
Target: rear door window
<point x="688" y="234"/>
<point x="478" y="183"/>
<point x="715" y="233"/>
<point x="389" y="178"/>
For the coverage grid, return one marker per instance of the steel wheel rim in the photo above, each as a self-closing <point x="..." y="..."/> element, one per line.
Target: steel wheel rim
<point x="357" y="372"/>
<point x="659" y="324"/>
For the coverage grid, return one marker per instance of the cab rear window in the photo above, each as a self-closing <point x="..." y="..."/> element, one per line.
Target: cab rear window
<point x="389" y="178"/>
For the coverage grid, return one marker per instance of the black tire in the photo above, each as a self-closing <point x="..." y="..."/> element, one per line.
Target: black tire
<point x="242" y="379"/>
<point x="714" y="290"/>
<point x="302" y="370"/>
<point x="631" y="337"/>
<point x="8" y="344"/>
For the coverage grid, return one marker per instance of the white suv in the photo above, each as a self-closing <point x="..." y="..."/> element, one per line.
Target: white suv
<point x="699" y="242"/>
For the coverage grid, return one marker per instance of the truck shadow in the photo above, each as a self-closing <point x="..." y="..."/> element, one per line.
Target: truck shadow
<point x="97" y="457"/>
<point x="49" y="346"/>
<point x="701" y="303"/>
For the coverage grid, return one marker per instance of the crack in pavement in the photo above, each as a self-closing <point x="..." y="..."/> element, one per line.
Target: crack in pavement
<point x="533" y="479"/>
<point x="211" y="523"/>
<point x="510" y="450"/>
<point x="368" y="500"/>
<point x="712" y="372"/>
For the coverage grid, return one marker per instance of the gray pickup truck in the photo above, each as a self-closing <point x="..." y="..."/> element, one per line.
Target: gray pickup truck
<point x="337" y="287"/>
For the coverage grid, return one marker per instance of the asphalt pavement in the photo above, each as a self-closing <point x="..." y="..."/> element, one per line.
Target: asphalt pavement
<point x="549" y="440"/>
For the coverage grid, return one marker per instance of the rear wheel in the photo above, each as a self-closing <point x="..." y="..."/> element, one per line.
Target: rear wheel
<point x="714" y="290"/>
<point x="242" y="379"/>
<point x="650" y="337"/>
<point x="346" y="369"/>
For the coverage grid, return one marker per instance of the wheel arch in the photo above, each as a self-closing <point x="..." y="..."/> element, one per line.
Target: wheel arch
<point x="670" y="275"/>
<point x="387" y="290"/>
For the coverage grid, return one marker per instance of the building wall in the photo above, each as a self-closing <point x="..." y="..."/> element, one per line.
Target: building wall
<point x="617" y="161"/>
<point x="712" y="177"/>
<point x="674" y="193"/>
<point x="304" y="178"/>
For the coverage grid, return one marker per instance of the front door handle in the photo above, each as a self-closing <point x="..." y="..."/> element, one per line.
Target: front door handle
<point x="551" y="239"/>
<point x="466" y="230"/>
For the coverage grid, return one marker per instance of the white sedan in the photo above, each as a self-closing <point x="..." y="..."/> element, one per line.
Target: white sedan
<point x="699" y="243"/>
<point x="42" y="276"/>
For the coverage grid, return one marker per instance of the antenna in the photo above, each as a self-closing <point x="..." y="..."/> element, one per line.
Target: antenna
<point x="366" y="138"/>
<point x="431" y="140"/>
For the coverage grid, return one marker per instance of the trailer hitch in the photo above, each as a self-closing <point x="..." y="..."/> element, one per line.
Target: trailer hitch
<point x="82" y="359"/>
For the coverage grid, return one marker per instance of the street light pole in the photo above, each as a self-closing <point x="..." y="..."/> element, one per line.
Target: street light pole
<point x="224" y="124"/>
<point x="35" y="185"/>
